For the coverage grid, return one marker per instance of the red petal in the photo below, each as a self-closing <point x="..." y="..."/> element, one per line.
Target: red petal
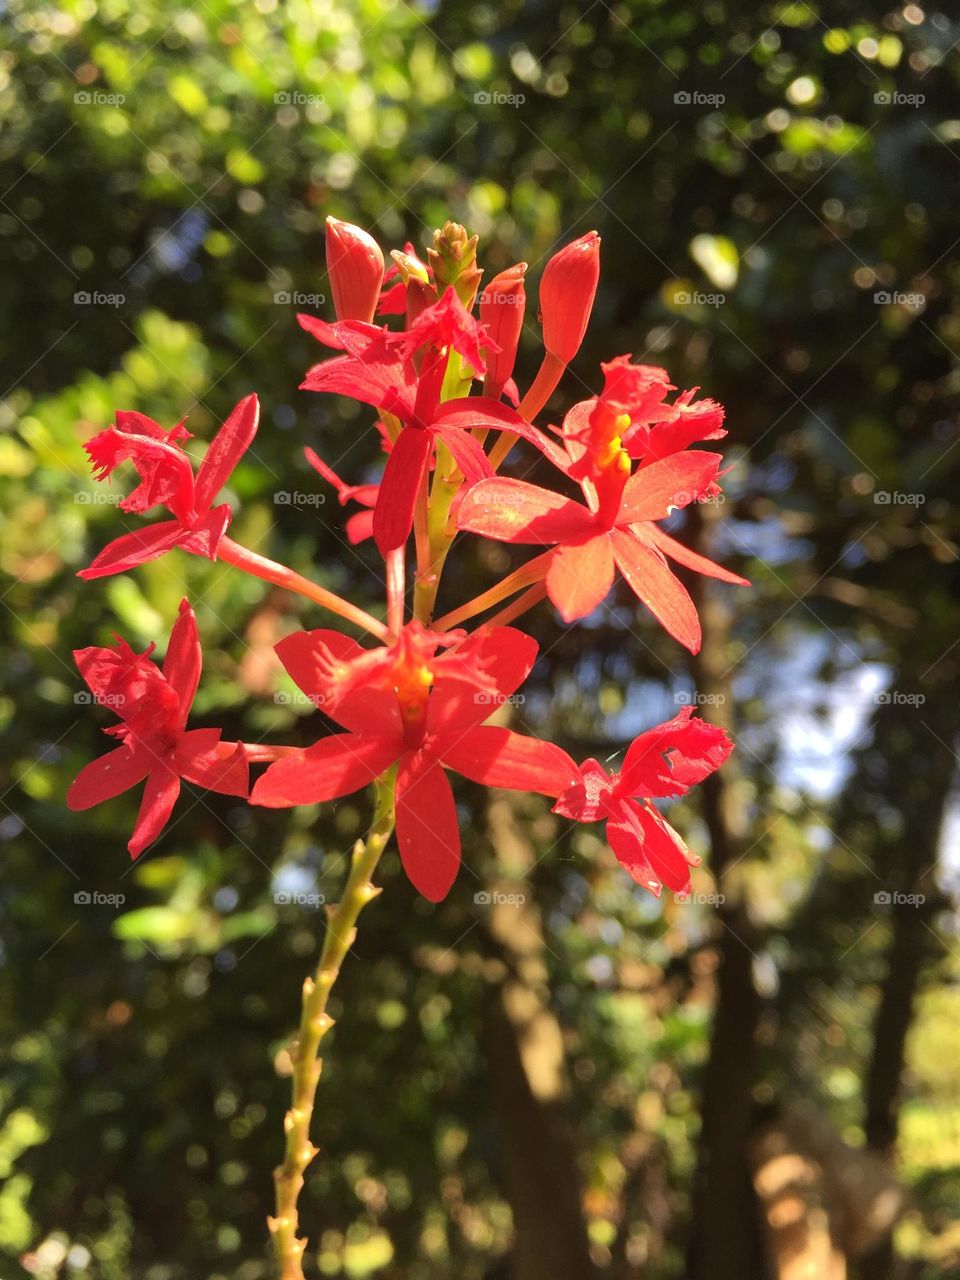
<point x="625" y="838"/>
<point x="359" y="527"/>
<point x="131" y="549"/>
<point x="467" y="453"/>
<point x="364" y="710"/>
<point x="665" y="851"/>
<point x="498" y="757"/>
<point x="665" y="596"/>
<point x="196" y="759"/>
<point x="184" y="660"/>
<point x="159" y="797"/>
<point x="672" y="757"/>
<point x="670" y="482"/>
<point x="393" y="514"/>
<point x="428" y="833"/>
<point x="580" y="577"/>
<point x="494" y="664"/>
<point x="107" y="776"/>
<point x="332" y="767"/>
<point x="226" y="449"/>
<point x="204" y="538"/>
<point x="691" y="559"/>
<point x="513" y="511"/>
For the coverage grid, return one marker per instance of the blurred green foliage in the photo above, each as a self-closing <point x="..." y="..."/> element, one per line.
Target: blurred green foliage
<point x="760" y="178"/>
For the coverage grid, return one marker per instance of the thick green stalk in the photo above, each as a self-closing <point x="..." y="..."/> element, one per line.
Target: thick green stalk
<point x="315" y="1022"/>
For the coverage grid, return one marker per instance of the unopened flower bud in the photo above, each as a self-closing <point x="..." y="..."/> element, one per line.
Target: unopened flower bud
<point x="453" y="259"/>
<point x="355" y="267"/>
<point x="502" y="304"/>
<point x="567" y="290"/>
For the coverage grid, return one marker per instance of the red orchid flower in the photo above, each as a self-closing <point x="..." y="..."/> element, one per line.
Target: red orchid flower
<point x="421" y="708"/>
<point x="656" y="429"/>
<point x="153" y="705"/>
<point x="618" y="530"/>
<point x="167" y="479"/>
<point x="665" y="761"/>
<point x="379" y="368"/>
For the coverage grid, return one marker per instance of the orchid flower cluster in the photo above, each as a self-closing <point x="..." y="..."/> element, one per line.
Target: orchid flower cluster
<point x="420" y="699"/>
<point x="413" y="702"/>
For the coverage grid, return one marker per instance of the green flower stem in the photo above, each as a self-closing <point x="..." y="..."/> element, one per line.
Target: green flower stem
<point x="314" y="1023"/>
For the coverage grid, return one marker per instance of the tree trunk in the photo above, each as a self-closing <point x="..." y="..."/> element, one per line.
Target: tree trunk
<point x="725" y="1241"/>
<point x="912" y="944"/>
<point x="528" y="1076"/>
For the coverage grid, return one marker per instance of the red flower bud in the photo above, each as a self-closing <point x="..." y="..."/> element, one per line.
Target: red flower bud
<point x="502" y="304"/>
<point x="567" y="291"/>
<point x="355" y="267"/>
